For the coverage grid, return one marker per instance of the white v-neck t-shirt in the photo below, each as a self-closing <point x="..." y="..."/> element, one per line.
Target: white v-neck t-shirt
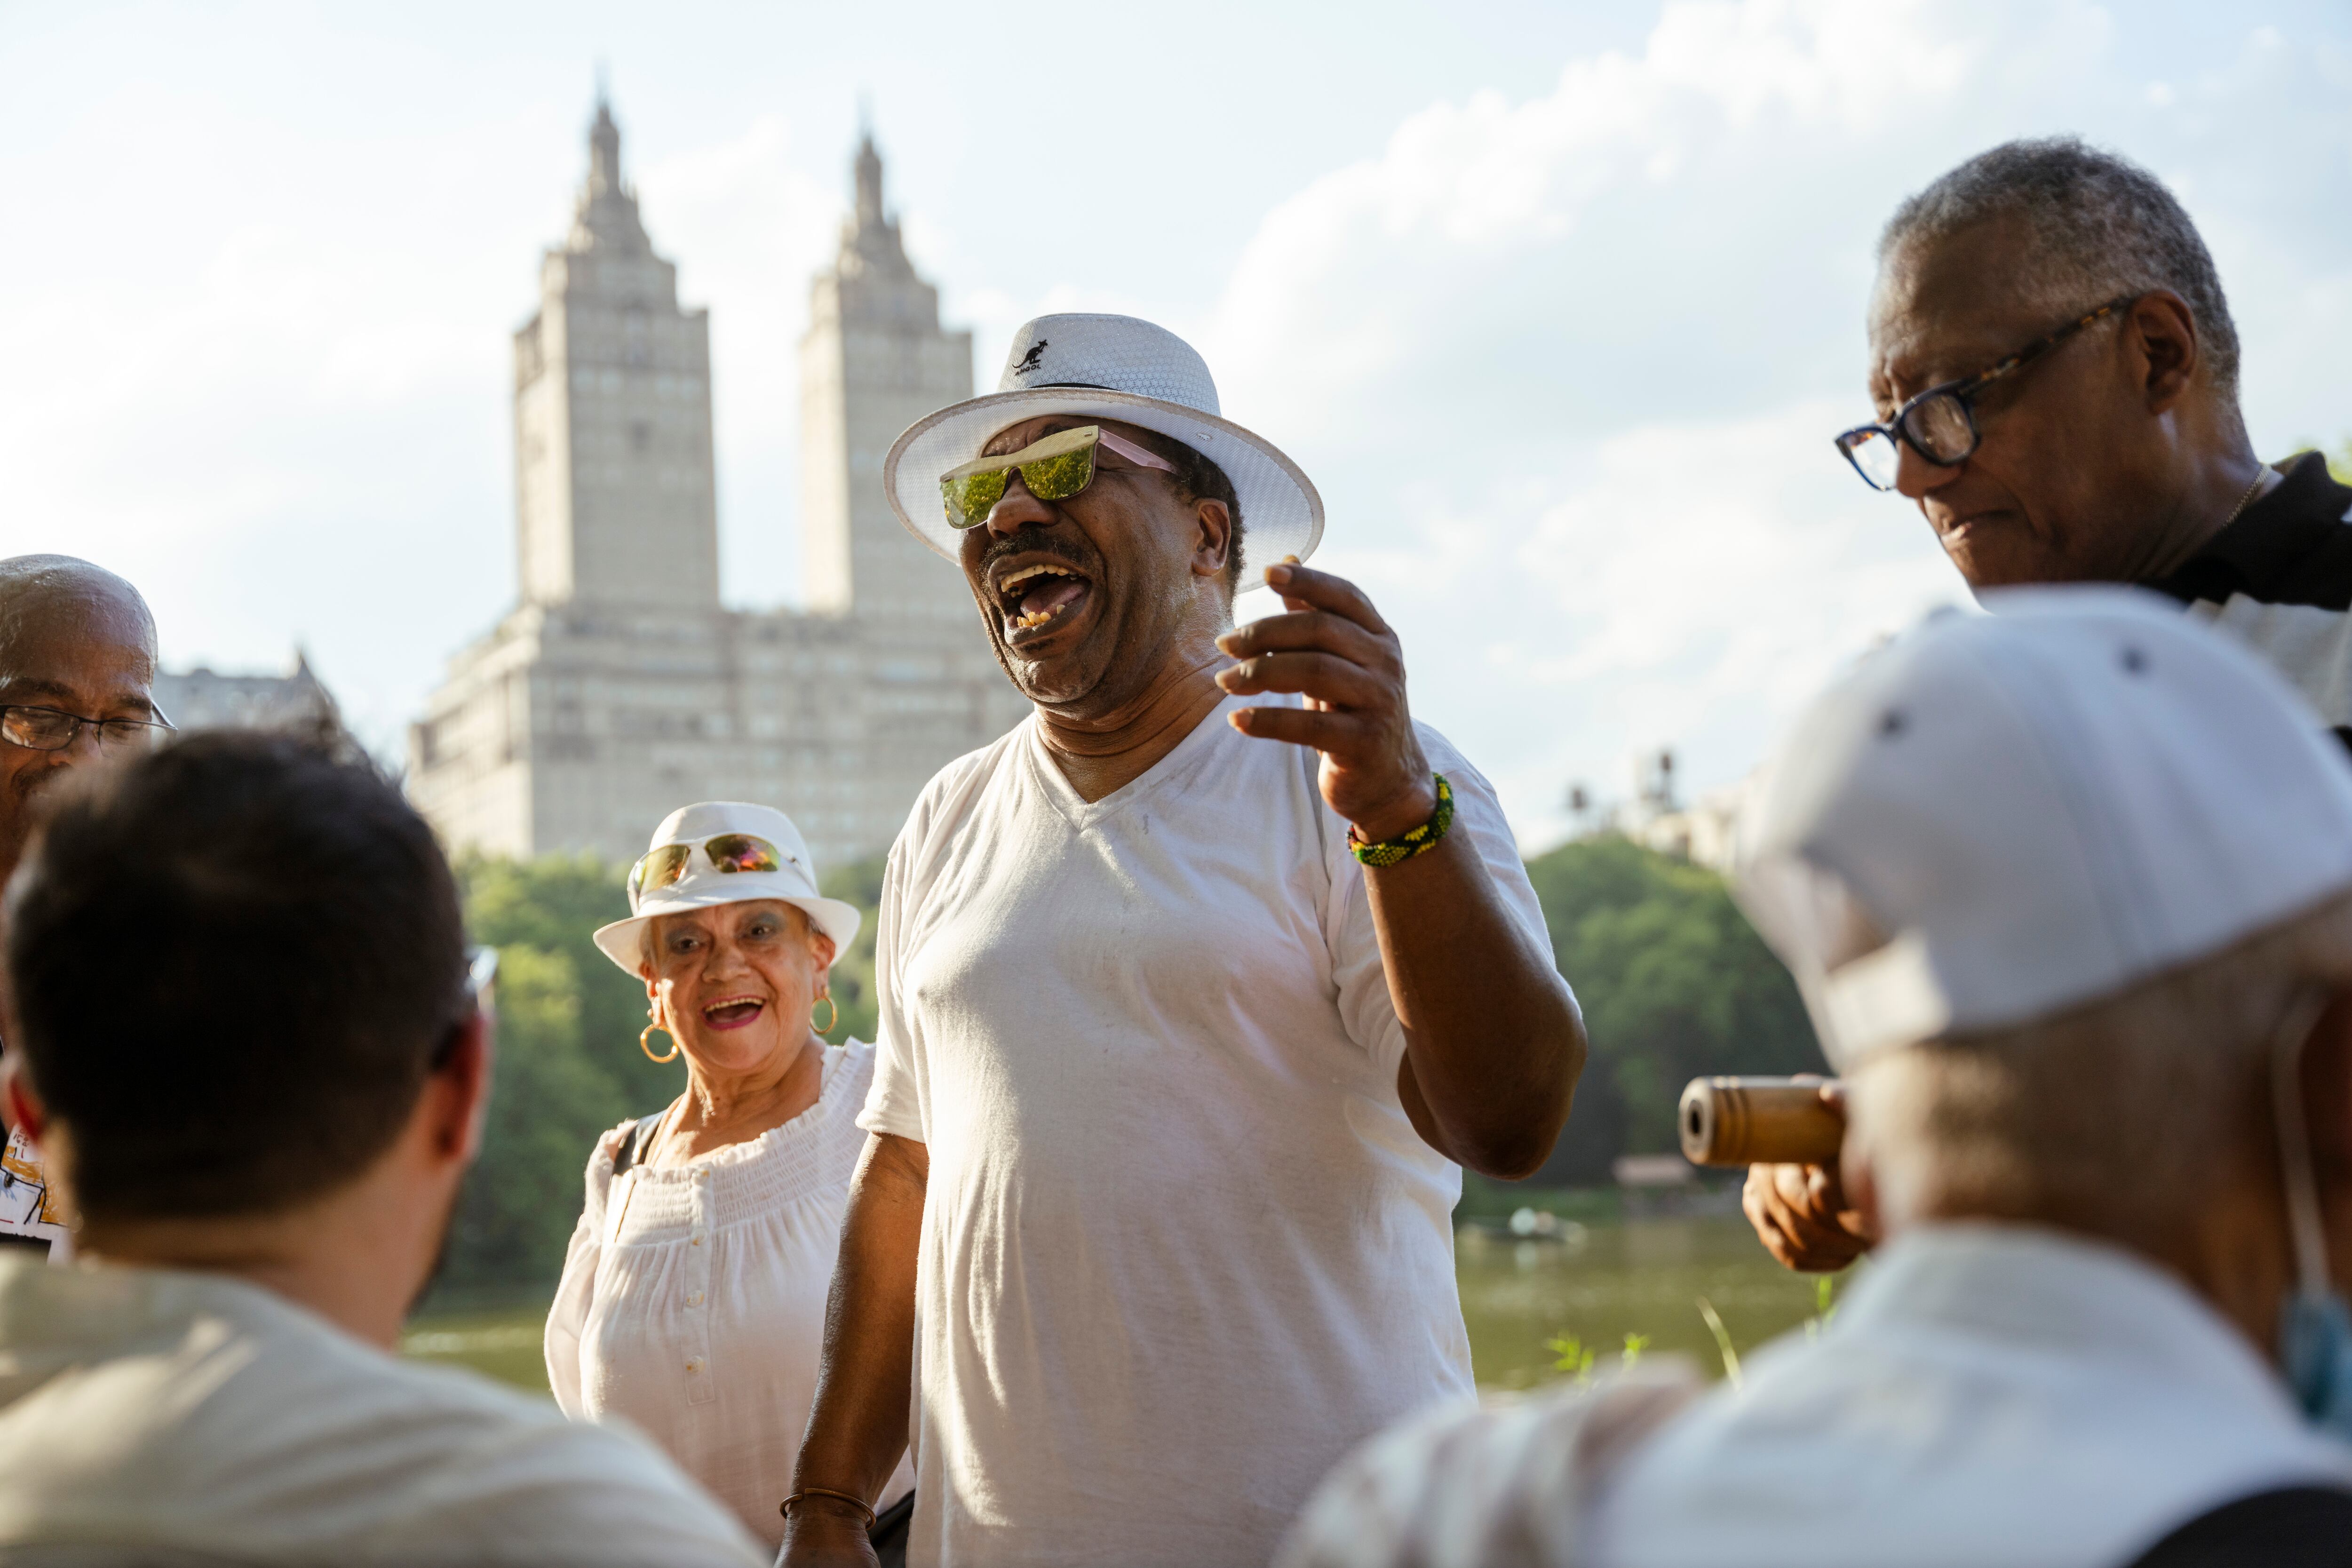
<point x="1182" y="1248"/>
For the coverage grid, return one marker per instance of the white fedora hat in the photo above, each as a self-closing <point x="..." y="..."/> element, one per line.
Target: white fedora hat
<point x="1117" y="367"/>
<point x="703" y="884"/>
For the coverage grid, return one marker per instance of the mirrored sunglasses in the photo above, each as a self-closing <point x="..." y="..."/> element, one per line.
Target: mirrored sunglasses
<point x="1054" y="468"/>
<point x="727" y="853"/>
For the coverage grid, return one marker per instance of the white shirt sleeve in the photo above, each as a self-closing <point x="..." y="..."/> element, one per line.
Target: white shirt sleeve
<point x="576" y="1291"/>
<point x="894" y="1105"/>
<point x="1356" y="969"/>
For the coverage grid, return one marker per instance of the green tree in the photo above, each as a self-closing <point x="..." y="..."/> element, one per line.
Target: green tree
<point x="853" y="971"/>
<point x="554" y="904"/>
<point x="1674" y="984"/>
<point x="568" y="1066"/>
<point x="549" y="1100"/>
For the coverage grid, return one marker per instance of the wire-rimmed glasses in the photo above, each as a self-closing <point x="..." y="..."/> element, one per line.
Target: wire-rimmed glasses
<point x="43" y="728"/>
<point x="1940" y="424"/>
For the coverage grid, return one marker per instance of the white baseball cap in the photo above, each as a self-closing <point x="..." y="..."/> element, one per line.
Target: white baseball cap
<point x="703" y="882"/>
<point x="1117" y="367"/>
<point x="1996" y="819"/>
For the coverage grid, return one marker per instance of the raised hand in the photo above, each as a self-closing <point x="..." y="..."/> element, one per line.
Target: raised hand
<point x="1332" y="647"/>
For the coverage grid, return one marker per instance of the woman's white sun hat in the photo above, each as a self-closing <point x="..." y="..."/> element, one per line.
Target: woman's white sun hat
<point x="1117" y="367"/>
<point x="703" y="884"/>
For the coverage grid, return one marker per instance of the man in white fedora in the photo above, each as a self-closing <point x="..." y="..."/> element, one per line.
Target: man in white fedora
<point x="1184" y="1037"/>
<point x="2068" y="890"/>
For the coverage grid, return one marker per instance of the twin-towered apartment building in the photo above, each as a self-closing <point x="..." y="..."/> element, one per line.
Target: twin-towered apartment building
<point x="620" y="686"/>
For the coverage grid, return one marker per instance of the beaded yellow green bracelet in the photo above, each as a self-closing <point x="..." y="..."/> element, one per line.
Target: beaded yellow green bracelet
<point x="1418" y="841"/>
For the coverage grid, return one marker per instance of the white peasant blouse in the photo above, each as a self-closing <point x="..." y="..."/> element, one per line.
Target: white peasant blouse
<point x="692" y="1303"/>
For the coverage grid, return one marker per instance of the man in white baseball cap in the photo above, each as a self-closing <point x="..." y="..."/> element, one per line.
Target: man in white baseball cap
<point x="1184" y="1036"/>
<point x="2068" y="890"/>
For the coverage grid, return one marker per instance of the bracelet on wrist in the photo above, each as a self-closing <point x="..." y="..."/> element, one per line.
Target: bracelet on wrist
<point x="852" y="1498"/>
<point x="1416" y="841"/>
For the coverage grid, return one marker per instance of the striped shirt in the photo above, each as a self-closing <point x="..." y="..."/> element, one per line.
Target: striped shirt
<point x="2280" y="580"/>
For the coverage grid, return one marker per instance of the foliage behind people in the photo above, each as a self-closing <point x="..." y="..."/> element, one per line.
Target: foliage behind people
<point x="1675" y="984"/>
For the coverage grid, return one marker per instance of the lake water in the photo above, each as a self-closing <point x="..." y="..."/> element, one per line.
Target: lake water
<point x="1598" y="1283"/>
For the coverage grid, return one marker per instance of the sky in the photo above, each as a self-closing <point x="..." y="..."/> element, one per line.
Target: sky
<point x="1559" y="304"/>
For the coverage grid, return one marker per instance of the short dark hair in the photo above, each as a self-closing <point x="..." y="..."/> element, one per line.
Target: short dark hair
<point x="233" y="962"/>
<point x="2102" y="226"/>
<point x="1200" y="479"/>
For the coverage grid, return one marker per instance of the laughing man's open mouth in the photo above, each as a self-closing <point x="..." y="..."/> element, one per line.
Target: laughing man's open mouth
<point x="1031" y="598"/>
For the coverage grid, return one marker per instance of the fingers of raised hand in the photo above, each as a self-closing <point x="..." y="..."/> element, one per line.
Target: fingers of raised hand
<point x="1768" y="1218"/>
<point x="1325" y="592"/>
<point x="1318" y="630"/>
<point x="1824" y="1196"/>
<point x="1319" y="674"/>
<point x="1794" y="1211"/>
<point x="1326" y="731"/>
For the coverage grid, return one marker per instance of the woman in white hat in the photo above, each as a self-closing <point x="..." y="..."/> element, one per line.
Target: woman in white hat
<point x="693" y="1295"/>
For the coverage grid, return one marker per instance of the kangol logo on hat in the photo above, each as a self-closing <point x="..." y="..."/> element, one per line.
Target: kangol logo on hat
<point x="1120" y="368"/>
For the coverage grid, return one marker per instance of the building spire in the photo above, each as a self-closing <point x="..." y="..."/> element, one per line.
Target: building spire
<point x="869" y="240"/>
<point x="869" y="183"/>
<point x="606" y="215"/>
<point x="604" y="147"/>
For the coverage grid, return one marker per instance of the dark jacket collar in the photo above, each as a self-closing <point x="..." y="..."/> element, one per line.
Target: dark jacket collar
<point x="2265" y="547"/>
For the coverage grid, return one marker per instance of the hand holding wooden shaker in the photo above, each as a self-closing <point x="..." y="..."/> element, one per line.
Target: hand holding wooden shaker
<point x="1759" y="1121"/>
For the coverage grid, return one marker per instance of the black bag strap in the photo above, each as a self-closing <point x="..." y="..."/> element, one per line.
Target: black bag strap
<point x="890" y="1530"/>
<point x="626" y="1155"/>
<point x="2292" y="1527"/>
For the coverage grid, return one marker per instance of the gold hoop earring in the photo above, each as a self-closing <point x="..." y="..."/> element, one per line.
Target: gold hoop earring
<point x="645" y="1044"/>
<point x="833" y="1015"/>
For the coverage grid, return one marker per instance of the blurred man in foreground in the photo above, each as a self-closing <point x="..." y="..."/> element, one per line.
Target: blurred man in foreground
<point x="2056" y="372"/>
<point x="77" y="667"/>
<point x="2069" y="893"/>
<point x="243" y="1036"/>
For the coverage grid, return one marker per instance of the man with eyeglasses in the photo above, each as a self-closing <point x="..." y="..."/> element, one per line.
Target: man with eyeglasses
<point x="2056" y="372"/>
<point x="77" y="665"/>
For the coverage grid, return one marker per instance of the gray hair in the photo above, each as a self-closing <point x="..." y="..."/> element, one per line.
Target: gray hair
<point x="2117" y="1118"/>
<point x="2102" y="226"/>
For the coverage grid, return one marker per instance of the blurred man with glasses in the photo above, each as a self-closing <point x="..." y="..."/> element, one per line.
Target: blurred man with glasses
<point x="2055" y="376"/>
<point x="77" y="665"/>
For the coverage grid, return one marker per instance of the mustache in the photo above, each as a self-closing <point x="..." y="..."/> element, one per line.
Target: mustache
<point x="1037" y="544"/>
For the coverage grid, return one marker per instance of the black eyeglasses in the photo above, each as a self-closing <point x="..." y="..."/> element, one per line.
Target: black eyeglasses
<point x="54" y="729"/>
<point x="1940" y="424"/>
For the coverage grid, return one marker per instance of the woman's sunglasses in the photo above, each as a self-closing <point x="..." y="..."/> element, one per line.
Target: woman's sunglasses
<point x="727" y="853"/>
<point x="1054" y="469"/>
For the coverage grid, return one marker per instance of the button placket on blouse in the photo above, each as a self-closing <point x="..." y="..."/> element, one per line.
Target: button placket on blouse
<point x="702" y="1387"/>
